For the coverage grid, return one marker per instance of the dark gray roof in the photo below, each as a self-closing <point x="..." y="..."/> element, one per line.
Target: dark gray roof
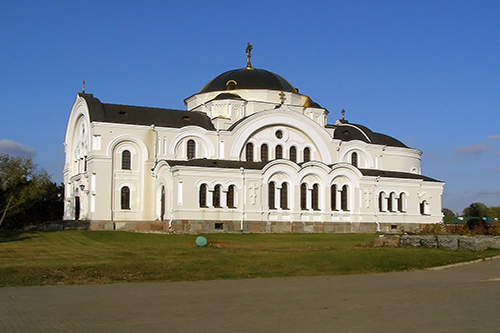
<point x="140" y="115"/>
<point x="248" y="78"/>
<point x="226" y="164"/>
<point x="395" y="174"/>
<point x="348" y="132"/>
<point x="210" y="163"/>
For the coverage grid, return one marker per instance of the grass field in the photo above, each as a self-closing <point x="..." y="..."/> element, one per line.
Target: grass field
<point x="90" y="257"/>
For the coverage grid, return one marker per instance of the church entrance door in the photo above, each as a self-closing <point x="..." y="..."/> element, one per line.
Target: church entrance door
<point x="77" y="208"/>
<point x="162" y="204"/>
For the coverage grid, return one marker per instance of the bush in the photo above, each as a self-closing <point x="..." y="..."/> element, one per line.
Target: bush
<point x="476" y="227"/>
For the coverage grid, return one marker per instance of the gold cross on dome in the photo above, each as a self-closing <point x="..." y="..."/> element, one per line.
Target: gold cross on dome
<point x="343" y="114"/>
<point x="83" y="87"/>
<point x="248" y="51"/>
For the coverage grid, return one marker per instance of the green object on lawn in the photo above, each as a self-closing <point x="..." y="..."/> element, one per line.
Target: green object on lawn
<point x="201" y="241"/>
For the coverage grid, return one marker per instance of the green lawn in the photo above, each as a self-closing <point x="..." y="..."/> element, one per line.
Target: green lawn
<point x="89" y="257"/>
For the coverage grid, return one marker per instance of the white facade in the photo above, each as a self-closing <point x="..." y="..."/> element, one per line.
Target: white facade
<point x="244" y="156"/>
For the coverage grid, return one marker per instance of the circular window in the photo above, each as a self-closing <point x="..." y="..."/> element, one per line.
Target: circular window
<point x="279" y="134"/>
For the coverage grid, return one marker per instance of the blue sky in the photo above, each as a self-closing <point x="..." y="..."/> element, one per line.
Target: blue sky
<point x="424" y="72"/>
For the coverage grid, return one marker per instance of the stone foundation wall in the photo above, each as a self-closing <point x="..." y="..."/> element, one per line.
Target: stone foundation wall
<point x="452" y="242"/>
<point x="59" y="226"/>
<point x="203" y="226"/>
<point x="208" y="226"/>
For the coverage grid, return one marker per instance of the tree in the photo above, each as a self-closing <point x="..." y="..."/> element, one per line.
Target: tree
<point x="495" y="211"/>
<point x="448" y="212"/>
<point x="477" y="209"/>
<point x="27" y="196"/>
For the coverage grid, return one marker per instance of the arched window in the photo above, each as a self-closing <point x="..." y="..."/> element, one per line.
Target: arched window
<point x="315" y="197"/>
<point x="125" y="197"/>
<point x="354" y="159"/>
<point x="424" y="208"/>
<point x="382" y="202"/>
<point x="230" y="197"/>
<point x="343" y="198"/>
<point x="203" y="195"/>
<point x="284" y="196"/>
<point x="391" y="203"/>
<point x="126" y="160"/>
<point x="303" y="196"/>
<point x="307" y="154"/>
<point x="216" y="197"/>
<point x="271" y="199"/>
<point x="279" y="151"/>
<point x="333" y="197"/>
<point x="191" y="149"/>
<point x="402" y="203"/>
<point x="249" y="152"/>
<point x="264" y="153"/>
<point x="293" y="154"/>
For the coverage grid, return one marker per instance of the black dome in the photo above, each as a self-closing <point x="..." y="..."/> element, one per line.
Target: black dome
<point x="348" y="132"/>
<point x="248" y="78"/>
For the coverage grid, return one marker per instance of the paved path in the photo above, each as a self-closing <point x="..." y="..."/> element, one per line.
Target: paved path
<point x="460" y="299"/>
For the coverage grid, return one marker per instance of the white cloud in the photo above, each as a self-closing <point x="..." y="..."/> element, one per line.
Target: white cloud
<point x="473" y="150"/>
<point x="15" y="148"/>
<point x="488" y="192"/>
<point x="494" y="137"/>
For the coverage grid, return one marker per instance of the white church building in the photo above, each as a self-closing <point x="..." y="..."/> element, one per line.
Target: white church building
<point x="250" y="153"/>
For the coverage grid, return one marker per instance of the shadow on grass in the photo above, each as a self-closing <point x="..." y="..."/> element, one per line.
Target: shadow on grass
<point x="14" y="236"/>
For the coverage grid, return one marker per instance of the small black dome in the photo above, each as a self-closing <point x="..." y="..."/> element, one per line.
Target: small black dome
<point x="348" y="132"/>
<point x="248" y="78"/>
<point x="227" y="96"/>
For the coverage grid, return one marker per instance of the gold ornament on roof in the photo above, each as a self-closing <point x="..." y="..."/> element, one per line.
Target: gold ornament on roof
<point x="248" y="51"/>
<point x="83" y="87"/>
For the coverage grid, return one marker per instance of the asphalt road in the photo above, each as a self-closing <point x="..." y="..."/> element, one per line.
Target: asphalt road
<point x="460" y="299"/>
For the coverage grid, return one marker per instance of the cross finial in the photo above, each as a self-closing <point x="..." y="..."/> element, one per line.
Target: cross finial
<point x="248" y="51"/>
<point x="343" y="114"/>
<point x="83" y="87"/>
<point x="282" y="97"/>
